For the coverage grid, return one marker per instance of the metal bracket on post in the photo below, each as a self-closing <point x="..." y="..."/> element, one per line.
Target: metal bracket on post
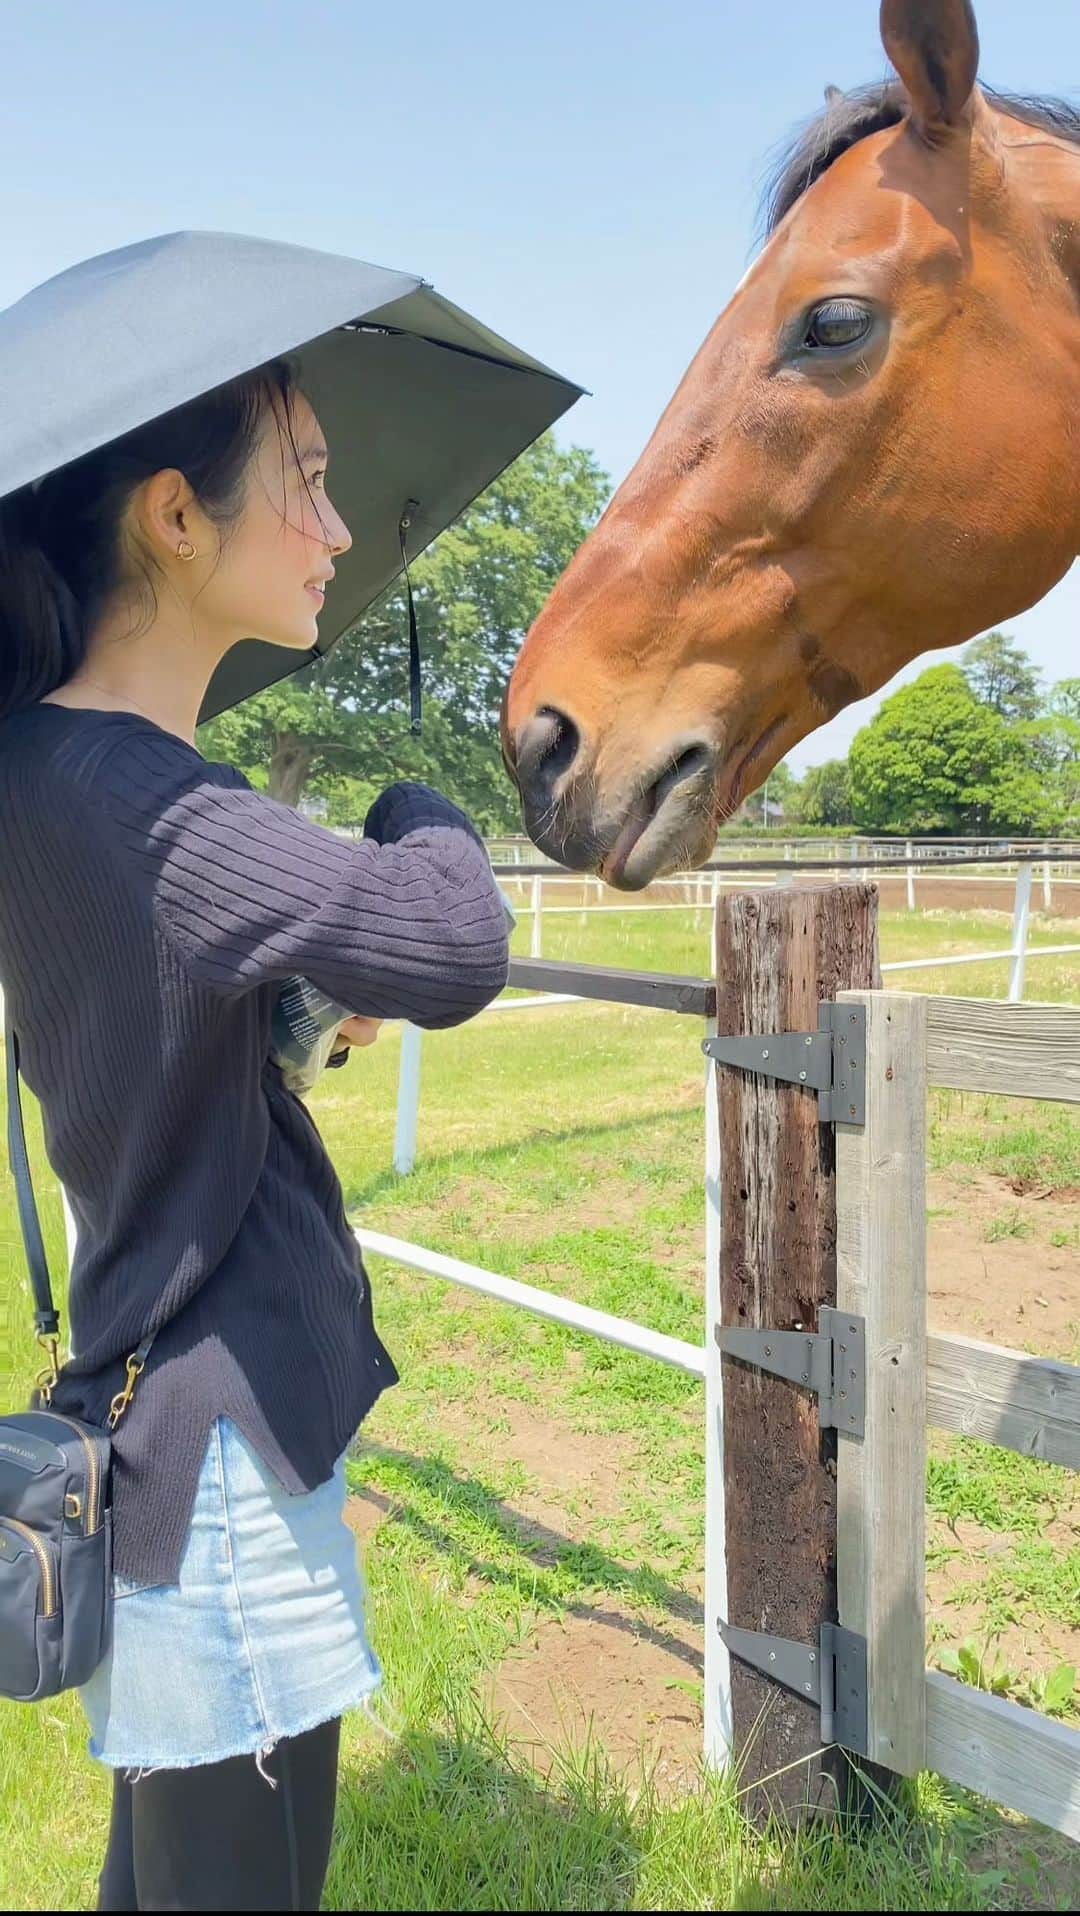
<point x="830" y="1061"/>
<point x="830" y="1361"/>
<point x="833" y="1675"/>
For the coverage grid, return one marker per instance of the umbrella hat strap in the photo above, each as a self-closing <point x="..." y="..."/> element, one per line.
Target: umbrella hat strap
<point x="414" y="637"/>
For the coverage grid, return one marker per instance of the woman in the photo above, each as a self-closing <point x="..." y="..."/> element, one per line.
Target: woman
<point x="151" y="907"/>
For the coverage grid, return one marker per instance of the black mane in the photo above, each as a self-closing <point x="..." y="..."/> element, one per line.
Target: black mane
<point x="850" y="117"/>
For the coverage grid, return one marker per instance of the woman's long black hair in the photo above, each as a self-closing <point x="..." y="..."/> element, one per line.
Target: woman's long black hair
<point x="61" y="555"/>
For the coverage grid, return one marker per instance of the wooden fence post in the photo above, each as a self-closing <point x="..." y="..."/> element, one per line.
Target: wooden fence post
<point x="881" y="1257"/>
<point x="778" y="954"/>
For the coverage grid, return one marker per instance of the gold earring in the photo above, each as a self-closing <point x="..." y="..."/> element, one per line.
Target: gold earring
<point x="185" y="550"/>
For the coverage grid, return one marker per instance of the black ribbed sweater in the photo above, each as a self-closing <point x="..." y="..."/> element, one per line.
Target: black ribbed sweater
<point x="151" y="904"/>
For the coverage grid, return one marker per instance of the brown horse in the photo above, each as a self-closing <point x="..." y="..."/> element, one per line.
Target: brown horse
<point x="875" y="452"/>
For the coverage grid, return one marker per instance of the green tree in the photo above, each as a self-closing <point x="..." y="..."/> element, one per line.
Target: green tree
<point x="824" y="795"/>
<point x="775" y="792"/>
<point x="936" y="759"/>
<point x="1001" y="675"/>
<point x="341" y="730"/>
<point x="1054" y="744"/>
<point x="1065" y="702"/>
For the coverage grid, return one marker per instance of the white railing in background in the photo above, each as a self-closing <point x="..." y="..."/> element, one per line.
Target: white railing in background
<point x="702" y="889"/>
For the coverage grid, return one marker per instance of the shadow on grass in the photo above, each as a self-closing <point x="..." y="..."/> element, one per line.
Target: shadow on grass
<point x="493" y="1156"/>
<point x="551" y="1565"/>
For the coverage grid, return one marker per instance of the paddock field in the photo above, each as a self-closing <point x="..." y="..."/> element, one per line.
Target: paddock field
<point x="530" y="1501"/>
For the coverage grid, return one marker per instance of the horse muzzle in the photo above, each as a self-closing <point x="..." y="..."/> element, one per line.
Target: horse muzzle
<point x="629" y="831"/>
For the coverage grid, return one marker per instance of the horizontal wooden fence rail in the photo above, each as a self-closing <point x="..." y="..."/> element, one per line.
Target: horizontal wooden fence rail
<point x="1004" y="1397"/>
<point x="1019" y="1050"/>
<point x="1004" y="1751"/>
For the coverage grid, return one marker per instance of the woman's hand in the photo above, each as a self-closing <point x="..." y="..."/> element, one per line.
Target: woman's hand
<point x="359" y="1031"/>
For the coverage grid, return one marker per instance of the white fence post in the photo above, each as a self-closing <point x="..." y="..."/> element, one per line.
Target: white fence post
<point x="408" y="1105"/>
<point x="537" y="908"/>
<point x="1021" y="914"/>
<point x="1048" y="897"/>
<point x="718" y="1718"/>
<point x="910" y="880"/>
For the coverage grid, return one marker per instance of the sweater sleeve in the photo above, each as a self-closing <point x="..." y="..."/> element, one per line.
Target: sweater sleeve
<point x="404" y="923"/>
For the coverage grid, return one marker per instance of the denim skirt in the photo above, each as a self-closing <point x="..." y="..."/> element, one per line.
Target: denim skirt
<point x="262" y="1637"/>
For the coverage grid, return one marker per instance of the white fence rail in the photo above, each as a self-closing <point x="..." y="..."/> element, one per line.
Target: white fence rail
<point x="702" y="889"/>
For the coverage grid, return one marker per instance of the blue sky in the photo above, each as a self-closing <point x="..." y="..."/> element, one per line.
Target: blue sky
<point x="583" y="177"/>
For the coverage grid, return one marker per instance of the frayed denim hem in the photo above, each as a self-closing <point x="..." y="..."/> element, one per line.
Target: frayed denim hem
<point x="135" y="1770"/>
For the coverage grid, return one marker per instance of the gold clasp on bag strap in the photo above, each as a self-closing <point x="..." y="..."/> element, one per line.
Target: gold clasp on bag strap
<point x="47" y="1378"/>
<point x="123" y="1397"/>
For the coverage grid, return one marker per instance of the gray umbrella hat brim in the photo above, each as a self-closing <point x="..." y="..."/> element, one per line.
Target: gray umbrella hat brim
<point x="419" y="401"/>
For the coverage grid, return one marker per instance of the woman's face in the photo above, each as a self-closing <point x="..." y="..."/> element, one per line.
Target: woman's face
<point x="270" y="579"/>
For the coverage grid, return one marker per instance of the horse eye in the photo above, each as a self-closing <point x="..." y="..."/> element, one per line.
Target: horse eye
<point x="837" y="322"/>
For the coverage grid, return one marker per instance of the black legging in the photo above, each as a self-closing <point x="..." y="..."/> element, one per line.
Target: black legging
<point x="218" y="1837"/>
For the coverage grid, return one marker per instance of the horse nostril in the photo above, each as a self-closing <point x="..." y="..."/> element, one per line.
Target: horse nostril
<point x="546" y="748"/>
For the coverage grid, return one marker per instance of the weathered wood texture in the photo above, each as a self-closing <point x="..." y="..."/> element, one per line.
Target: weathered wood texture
<point x="1004" y="1751"/>
<point x="778" y="954"/>
<point x="1023" y="1051"/>
<point x="881" y="1276"/>
<point x="1029" y="1404"/>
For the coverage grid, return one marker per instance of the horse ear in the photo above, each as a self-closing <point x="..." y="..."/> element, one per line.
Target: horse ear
<point x="934" y="46"/>
<point x="833" y="94"/>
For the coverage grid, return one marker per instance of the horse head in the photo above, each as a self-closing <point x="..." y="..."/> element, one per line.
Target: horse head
<point x="873" y="454"/>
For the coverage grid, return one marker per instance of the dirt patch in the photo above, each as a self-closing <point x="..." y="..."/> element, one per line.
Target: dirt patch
<point x="364" y="1511"/>
<point x="563" y="1464"/>
<point x="981" y="893"/>
<point x="573" y="1479"/>
<point x="1014" y="1288"/>
<point x="602" y="1674"/>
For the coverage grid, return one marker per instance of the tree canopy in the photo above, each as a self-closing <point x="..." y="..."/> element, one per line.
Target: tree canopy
<point x="823" y="796"/>
<point x="938" y="757"/>
<point x="1002" y="676"/>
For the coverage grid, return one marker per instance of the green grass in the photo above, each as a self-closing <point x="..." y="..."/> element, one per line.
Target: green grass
<point x="565" y="1147"/>
<point x="998" y="1489"/>
<point x="1025" y="1142"/>
<point x="1009" y="1224"/>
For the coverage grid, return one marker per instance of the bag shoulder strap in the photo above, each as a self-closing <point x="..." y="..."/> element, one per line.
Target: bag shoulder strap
<point x="46" y="1316"/>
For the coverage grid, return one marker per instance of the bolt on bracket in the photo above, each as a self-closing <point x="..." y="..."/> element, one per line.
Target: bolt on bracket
<point x="831" y="1674"/>
<point x="830" y="1060"/>
<point x="830" y="1361"/>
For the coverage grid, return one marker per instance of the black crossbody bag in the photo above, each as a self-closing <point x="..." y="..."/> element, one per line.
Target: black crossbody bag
<point x="55" y="1491"/>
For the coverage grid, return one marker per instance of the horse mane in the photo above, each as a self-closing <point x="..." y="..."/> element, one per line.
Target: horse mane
<point x="850" y="117"/>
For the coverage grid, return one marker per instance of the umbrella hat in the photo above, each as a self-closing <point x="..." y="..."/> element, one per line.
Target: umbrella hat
<point x="420" y="402"/>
